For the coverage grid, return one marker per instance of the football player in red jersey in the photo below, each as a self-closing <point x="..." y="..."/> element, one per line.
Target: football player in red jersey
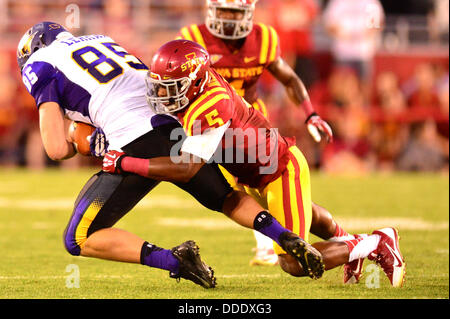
<point x="240" y="51"/>
<point x="221" y="126"/>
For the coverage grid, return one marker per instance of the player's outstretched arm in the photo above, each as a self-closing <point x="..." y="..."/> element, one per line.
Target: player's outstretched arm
<point x="299" y="95"/>
<point x="173" y="169"/>
<point x="179" y="167"/>
<point x="53" y="132"/>
<point x="295" y="88"/>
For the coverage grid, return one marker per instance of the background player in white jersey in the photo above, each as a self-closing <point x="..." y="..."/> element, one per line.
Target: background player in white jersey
<point x="93" y="80"/>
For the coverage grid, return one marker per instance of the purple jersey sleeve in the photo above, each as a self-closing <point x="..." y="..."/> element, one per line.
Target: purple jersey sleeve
<point x="47" y="83"/>
<point x="40" y="78"/>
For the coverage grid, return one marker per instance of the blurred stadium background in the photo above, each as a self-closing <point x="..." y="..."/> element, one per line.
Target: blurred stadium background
<point x="387" y="100"/>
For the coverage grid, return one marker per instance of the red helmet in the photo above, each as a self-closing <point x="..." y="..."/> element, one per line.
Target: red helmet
<point x="226" y="28"/>
<point x="178" y="73"/>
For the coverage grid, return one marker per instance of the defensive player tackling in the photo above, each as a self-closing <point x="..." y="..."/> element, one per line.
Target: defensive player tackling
<point x="181" y="82"/>
<point x="241" y="50"/>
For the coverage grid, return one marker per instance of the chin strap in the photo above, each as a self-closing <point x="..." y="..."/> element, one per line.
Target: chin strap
<point x="204" y="82"/>
<point x="193" y="75"/>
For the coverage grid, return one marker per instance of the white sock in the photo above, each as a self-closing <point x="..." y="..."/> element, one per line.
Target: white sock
<point x="262" y="241"/>
<point x="362" y="248"/>
<point x="341" y="238"/>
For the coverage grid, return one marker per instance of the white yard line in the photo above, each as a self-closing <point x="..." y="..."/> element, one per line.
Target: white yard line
<point x="64" y="277"/>
<point x="361" y="224"/>
<point x="160" y="201"/>
<point x="250" y="276"/>
<point x="204" y="223"/>
<point x="349" y="224"/>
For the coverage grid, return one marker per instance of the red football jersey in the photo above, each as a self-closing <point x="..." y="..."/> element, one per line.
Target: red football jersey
<point x="241" y="68"/>
<point x="251" y="150"/>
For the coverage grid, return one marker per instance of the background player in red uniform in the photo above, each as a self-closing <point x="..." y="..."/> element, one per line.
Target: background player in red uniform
<point x="222" y="126"/>
<point x="241" y="51"/>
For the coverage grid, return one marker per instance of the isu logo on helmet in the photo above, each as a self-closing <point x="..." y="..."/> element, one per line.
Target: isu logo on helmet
<point x="192" y="62"/>
<point x="223" y="26"/>
<point x="178" y="73"/>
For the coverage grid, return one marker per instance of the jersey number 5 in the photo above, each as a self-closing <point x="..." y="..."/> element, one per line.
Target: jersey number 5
<point x="101" y="67"/>
<point x="213" y="119"/>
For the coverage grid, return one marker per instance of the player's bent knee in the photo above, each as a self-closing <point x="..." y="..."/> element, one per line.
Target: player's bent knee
<point x="71" y="245"/>
<point x="73" y="240"/>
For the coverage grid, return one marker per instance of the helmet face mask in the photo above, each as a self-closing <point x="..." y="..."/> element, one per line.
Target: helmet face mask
<point x="37" y="37"/>
<point x="226" y="28"/>
<point x="167" y="96"/>
<point x="178" y="74"/>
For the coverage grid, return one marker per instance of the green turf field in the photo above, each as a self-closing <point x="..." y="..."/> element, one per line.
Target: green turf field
<point x="35" y="207"/>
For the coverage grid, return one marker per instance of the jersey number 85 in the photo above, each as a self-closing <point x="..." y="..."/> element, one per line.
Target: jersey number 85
<point x="101" y="67"/>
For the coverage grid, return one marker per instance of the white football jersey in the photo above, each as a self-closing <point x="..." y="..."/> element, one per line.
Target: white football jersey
<point x="95" y="81"/>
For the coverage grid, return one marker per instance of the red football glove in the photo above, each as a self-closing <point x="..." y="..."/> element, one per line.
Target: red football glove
<point x="111" y="162"/>
<point x="316" y="126"/>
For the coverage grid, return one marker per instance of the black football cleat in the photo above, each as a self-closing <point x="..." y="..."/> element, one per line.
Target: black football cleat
<point x="309" y="257"/>
<point x="191" y="266"/>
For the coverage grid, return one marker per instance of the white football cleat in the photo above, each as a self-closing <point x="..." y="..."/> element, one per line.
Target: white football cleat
<point x="264" y="257"/>
<point x="388" y="256"/>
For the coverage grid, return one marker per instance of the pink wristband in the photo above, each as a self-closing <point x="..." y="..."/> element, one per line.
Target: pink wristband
<point x="135" y="165"/>
<point x="306" y="104"/>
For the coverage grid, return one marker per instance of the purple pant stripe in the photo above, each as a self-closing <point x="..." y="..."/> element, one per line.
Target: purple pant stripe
<point x="69" y="236"/>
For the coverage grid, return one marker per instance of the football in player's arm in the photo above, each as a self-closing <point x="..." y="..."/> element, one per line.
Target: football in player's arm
<point x="54" y="72"/>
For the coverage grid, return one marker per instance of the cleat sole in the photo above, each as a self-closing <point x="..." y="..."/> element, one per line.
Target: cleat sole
<point x="310" y="259"/>
<point x="189" y="255"/>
